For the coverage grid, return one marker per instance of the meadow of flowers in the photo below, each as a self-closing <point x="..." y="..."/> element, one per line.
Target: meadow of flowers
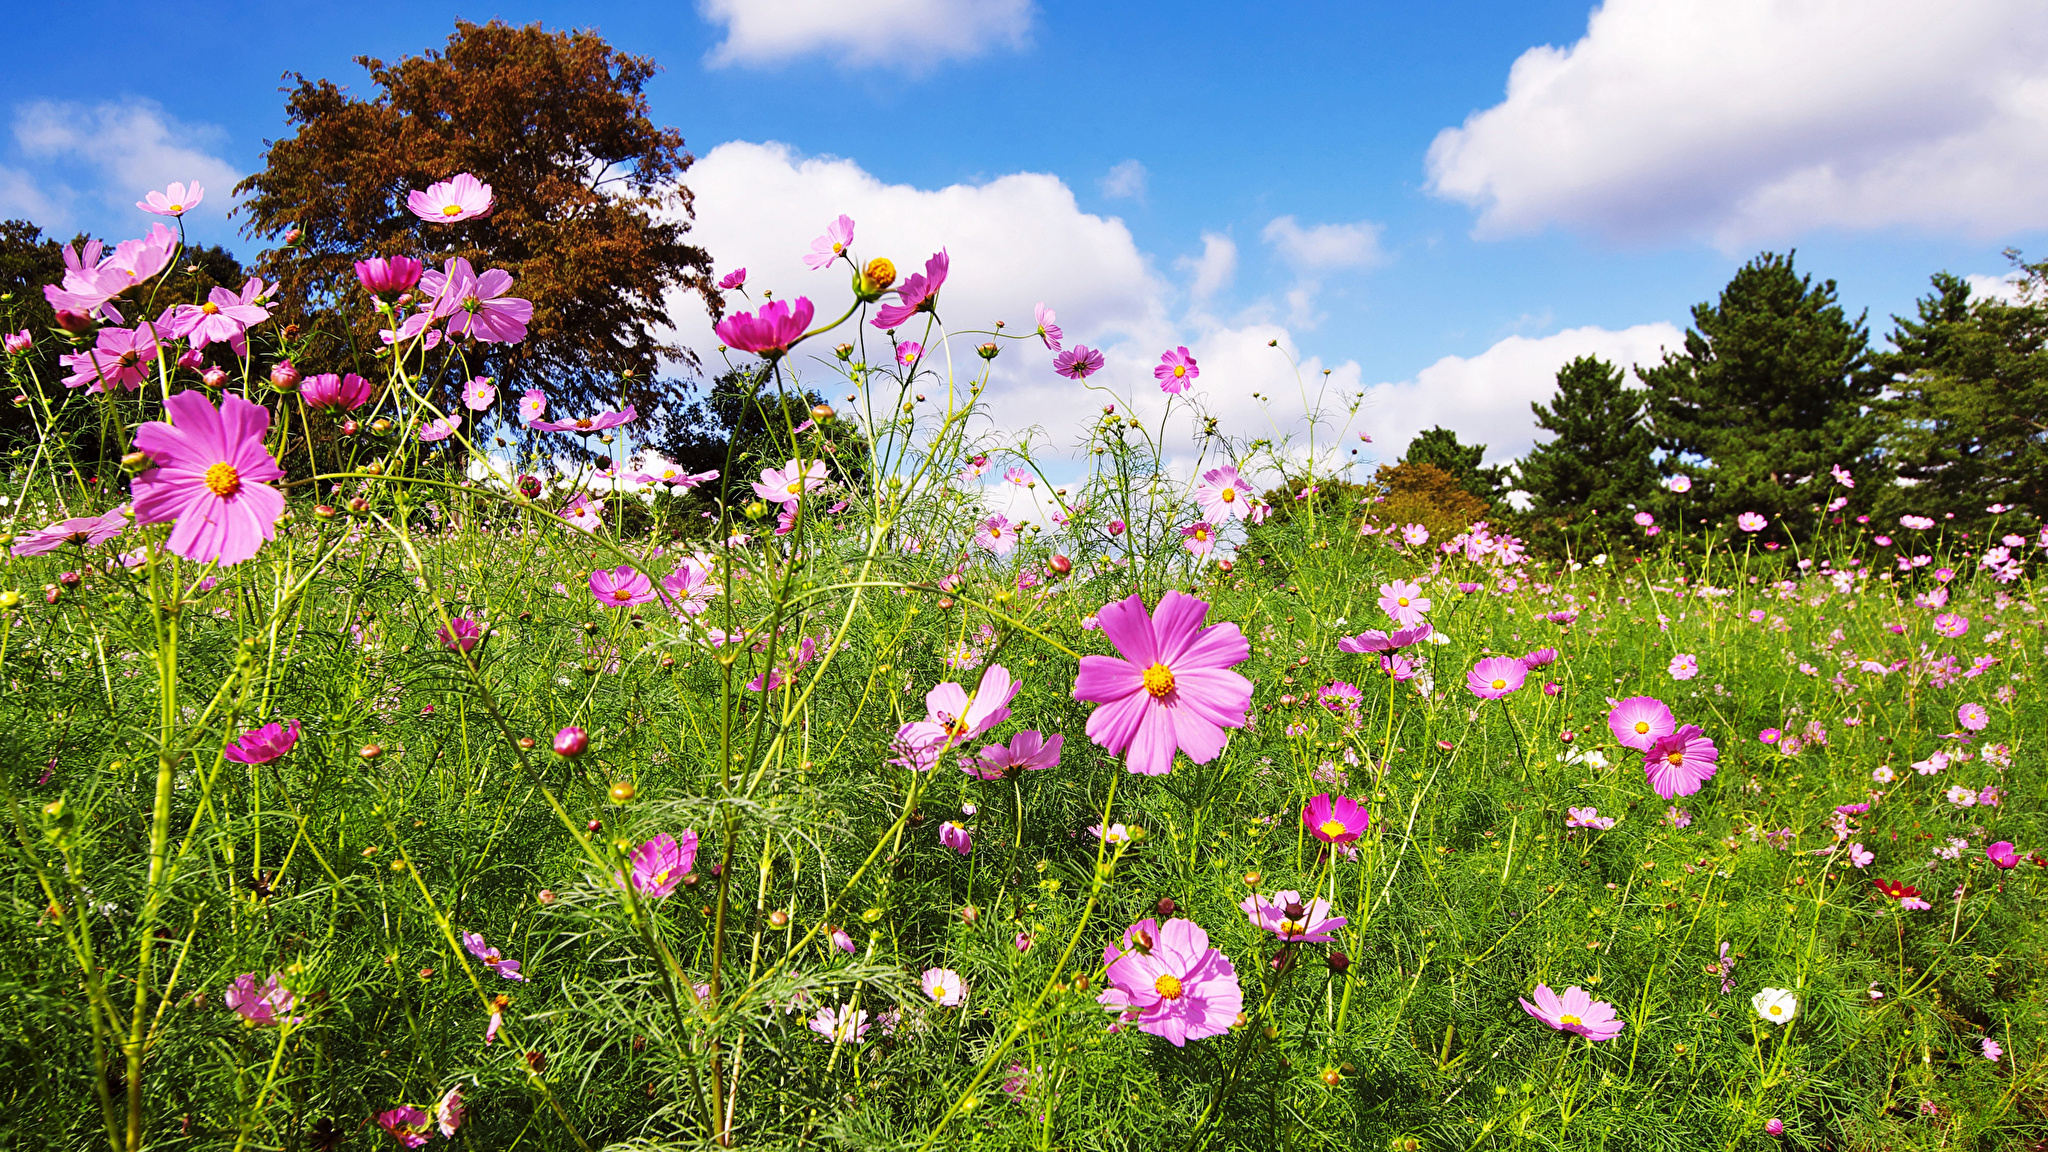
<point x="368" y="784"/>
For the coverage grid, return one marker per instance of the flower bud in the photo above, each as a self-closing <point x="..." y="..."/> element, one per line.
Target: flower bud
<point x="1567" y="736"/>
<point x="69" y="579"/>
<point x="9" y="598"/>
<point x="970" y="914"/>
<point x="371" y="751"/>
<point x="358" y="505"/>
<point x="350" y="427"/>
<point x="1251" y="879"/>
<point x="571" y="742"/>
<point x="1166" y="906"/>
<point x="1338" y="962"/>
<point x="1061" y="564"/>
<point x="1116" y="527"/>
<point x="1332" y="1077"/>
<point x="76" y="323"/>
<point x="546" y="896"/>
<point x="988" y="351"/>
<point x="325" y="512"/>
<point x="283" y="376"/>
<point x="381" y="426"/>
<point x="845" y="353"/>
<point x="530" y="487"/>
<point x="778" y="919"/>
<point x="622" y="792"/>
<point x="822" y="412"/>
<point x="1141" y="942"/>
<point x="527" y="743"/>
<point x="19" y="342"/>
<point x="135" y="462"/>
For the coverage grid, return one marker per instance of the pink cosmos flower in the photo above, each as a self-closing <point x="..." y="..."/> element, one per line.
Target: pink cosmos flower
<point x="533" y="404"/>
<point x="381" y="275"/>
<point x="119" y="356"/>
<point x="1403" y="602"/>
<point x="1172" y="982"/>
<point x="1495" y="677"/>
<point x="329" y="392"/>
<point x="84" y="531"/>
<point x="1047" y="330"/>
<point x="621" y="587"/>
<point x="689" y="587"/>
<point x="491" y="957"/>
<point x="407" y="1124"/>
<point x="1028" y="751"/>
<point x="1750" y="522"/>
<point x="1774" y="1127"/>
<point x="1640" y="721"/>
<point x="1414" y="535"/>
<point x="582" y="513"/>
<point x="440" y="428"/>
<point x="2002" y="854"/>
<point x="462" y="198"/>
<point x="1917" y="523"/>
<point x="1292" y="920"/>
<point x="1951" y="625"/>
<point x="209" y="478"/>
<point x="262" y="745"/>
<point x="222" y="319"/>
<point x="661" y="863"/>
<point x="174" y="200"/>
<point x="1374" y="640"/>
<point x="945" y="987"/>
<point x="832" y="245"/>
<point x="583" y="424"/>
<point x="733" y="281"/>
<point x="787" y="485"/>
<point x="1198" y="538"/>
<point x="1992" y="1049"/>
<point x="477" y="305"/>
<point x="908" y="352"/>
<point x="1335" y="819"/>
<point x="918" y="293"/>
<point x="1645" y="519"/>
<point x="1539" y="658"/>
<point x="778" y="325"/>
<point x="1175" y="371"/>
<point x="1587" y="818"/>
<point x="1973" y="717"/>
<point x="1575" y="1011"/>
<point x="844" y="1025"/>
<point x="1170" y="689"/>
<point x="1078" y="362"/>
<point x="1769" y="735"/>
<point x="19" y="342"/>
<point x="842" y="941"/>
<point x="954" y="835"/>
<point x="261" y="1005"/>
<point x="461" y="635"/>
<point x="1678" y="764"/>
<point x="1223" y="495"/>
<point x="479" y="394"/>
<point x="1684" y="666"/>
<point x="997" y="535"/>
<point x="953" y="717"/>
<point x="450" y="1113"/>
<point x="1860" y="856"/>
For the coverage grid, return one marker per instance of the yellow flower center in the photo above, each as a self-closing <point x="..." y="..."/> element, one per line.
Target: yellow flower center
<point x="1201" y="533"/>
<point x="210" y="308"/>
<point x="177" y="208"/>
<point x="661" y="877"/>
<point x="1676" y="759"/>
<point x="1569" y="1019"/>
<point x="222" y="480"/>
<point x="1229" y="495"/>
<point x="622" y="593"/>
<point x="1499" y="684"/>
<point x="795" y="489"/>
<point x="1401" y="600"/>
<point x="452" y="210"/>
<point x="1777" y="1009"/>
<point x="1168" y="986"/>
<point x="1158" y="680"/>
<point x="583" y="421"/>
<point x="1642" y="727"/>
<point x="1332" y="828"/>
<point x="995" y="533"/>
<point x="938" y="991"/>
<point x="1180" y="370"/>
<point x="1293" y="927"/>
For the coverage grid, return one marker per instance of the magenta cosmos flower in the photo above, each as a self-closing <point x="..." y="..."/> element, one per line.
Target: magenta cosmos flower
<point x="1750" y="522"/>
<point x="1973" y="716"/>
<point x="384" y="274"/>
<point x="262" y="745"/>
<point x="953" y="716"/>
<point x="440" y="428"/>
<point x="2002" y="854"/>
<point x="1640" y="721"/>
<point x="1223" y="494"/>
<point x="1171" y="689"/>
<point x="1495" y="677"/>
<point x="461" y="635"/>
<point x="1951" y="625"/>
<point x="581" y="424"/>
<point x="1291" y="919"/>
<point x="477" y="305"/>
<point x="407" y="1124"/>
<point x="1028" y="751"/>
<point x="84" y="531"/>
<point x="733" y="281"/>
<point x="463" y="198"/>
<point x="1335" y="819"/>
<point x="1575" y="1011"/>
<point x="1172" y="982"/>
<point x="786" y="485"/>
<point x="621" y="587"/>
<point x="1175" y="371"/>
<point x="661" y="863"/>
<point x="175" y="200"/>
<point x="479" y="394"/>
<point x="1048" y="331"/>
<point x="261" y="1005"/>
<point x="329" y="392"/>
<point x="1403" y="602"/>
<point x="223" y="318"/>
<point x="1678" y="764"/>
<point x="491" y="957"/>
<point x="209" y="478"/>
<point x="918" y="293"/>
<point x="1374" y="640"/>
<point x="832" y="245"/>
<point x="1198" y="538"/>
<point x="119" y="357"/>
<point x="1078" y="362"/>
<point x="769" y="333"/>
<point x="954" y="835"/>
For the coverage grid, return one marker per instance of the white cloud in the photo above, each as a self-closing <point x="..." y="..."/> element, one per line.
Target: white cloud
<point x="1213" y="269"/>
<point x="907" y="35"/>
<point x="1326" y="247"/>
<point x="1486" y="398"/>
<point x="1754" y="120"/>
<point x="21" y="197"/>
<point x="128" y="147"/>
<point x="2005" y="288"/>
<point x="1126" y="181"/>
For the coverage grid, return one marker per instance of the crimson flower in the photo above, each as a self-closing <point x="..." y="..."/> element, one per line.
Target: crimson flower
<point x="918" y="293"/>
<point x="770" y="333"/>
<point x="1895" y="890"/>
<point x="1171" y="689"/>
<point x="262" y="745"/>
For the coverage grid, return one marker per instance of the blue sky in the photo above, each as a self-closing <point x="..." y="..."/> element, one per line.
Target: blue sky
<point x="1645" y="153"/>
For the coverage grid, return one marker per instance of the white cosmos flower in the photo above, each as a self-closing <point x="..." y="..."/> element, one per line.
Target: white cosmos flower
<point x="1775" y="1005"/>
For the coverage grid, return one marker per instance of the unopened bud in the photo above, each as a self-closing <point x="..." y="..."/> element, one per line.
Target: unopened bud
<point x="1338" y="962"/>
<point x="76" y="323"/>
<point x="622" y="792"/>
<point x="325" y="512"/>
<point x="371" y="751"/>
<point x="778" y="919"/>
<point x="822" y="412"/>
<point x="1141" y="942"/>
<point x="572" y="742"/>
<point x="845" y="353"/>
<point x="988" y="351"/>
<point x="135" y="462"/>
<point x="1165" y="906"/>
<point x="358" y="505"/>
<point x="283" y="376"/>
<point x="970" y="914"/>
<point x="1251" y="879"/>
<point x="1061" y="564"/>
<point x="381" y="426"/>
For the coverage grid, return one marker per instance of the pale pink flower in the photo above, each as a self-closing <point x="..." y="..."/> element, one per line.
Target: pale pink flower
<point x="462" y="198"/>
<point x="1291" y="919"/>
<point x="945" y="987"/>
<point x="997" y="535"/>
<point x="1223" y="495"/>
<point x="533" y="404"/>
<point x="1403" y="602"/>
<point x="786" y="485"/>
<point x="175" y="200"/>
<point x="479" y="394"/>
<point x="1750" y="522"/>
<point x="832" y="245"/>
<point x="1640" y="721"/>
<point x="1048" y="331"/>
<point x="1575" y="1011"/>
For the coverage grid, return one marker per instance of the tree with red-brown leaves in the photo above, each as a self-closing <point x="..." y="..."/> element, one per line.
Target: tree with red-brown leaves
<point x="589" y="212"/>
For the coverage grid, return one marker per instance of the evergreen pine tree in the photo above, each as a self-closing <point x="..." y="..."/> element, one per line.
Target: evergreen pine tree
<point x="1773" y="389"/>
<point x="1439" y="446"/>
<point x="1586" y="479"/>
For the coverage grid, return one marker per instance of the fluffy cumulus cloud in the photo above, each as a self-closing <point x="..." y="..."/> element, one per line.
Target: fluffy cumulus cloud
<point x="1325" y="247"/>
<point x="1486" y="397"/>
<point x="901" y="34"/>
<point x="1742" y="121"/>
<point x="117" y="149"/>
